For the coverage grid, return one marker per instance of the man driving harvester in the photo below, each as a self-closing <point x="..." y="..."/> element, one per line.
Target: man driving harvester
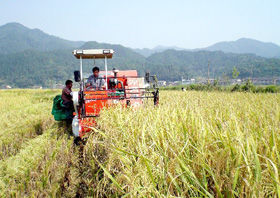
<point x="94" y="81"/>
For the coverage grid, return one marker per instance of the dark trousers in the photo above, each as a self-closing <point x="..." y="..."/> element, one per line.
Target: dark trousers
<point x="69" y="109"/>
<point x="69" y="105"/>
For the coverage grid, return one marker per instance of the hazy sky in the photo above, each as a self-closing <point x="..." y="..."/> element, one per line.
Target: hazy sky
<point x="148" y="23"/>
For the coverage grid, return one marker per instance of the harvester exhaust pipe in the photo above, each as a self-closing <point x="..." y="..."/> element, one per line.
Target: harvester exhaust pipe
<point x="115" y="71"/>
<point x="147" y="77"/>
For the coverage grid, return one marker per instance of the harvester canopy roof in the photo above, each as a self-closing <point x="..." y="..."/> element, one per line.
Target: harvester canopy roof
<point x="93" y="53"/>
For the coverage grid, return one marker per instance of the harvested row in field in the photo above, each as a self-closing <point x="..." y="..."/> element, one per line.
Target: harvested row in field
<point x="11" y="139"/>
<point x="46" y="166"/>
<point x="28" y="119"/>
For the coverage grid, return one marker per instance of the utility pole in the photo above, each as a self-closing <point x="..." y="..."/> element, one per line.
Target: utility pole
<point x="252" y="72"/>
<point x="170" y="68"/>
<point x="208" y="72"/>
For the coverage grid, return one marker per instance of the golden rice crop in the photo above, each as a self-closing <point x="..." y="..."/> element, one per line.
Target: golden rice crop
<point x="36" y="158"/>
<point x="194" y="144"/>
<point x="46" y="166"/>
<point x="23" y="116"/>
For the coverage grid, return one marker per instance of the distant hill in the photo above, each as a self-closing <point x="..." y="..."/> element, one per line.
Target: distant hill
<point x="30" y="57"/>
<point x="172" y="65"/>
<point x="28" y="68"/>
<point x="15" y="37"/>
<point x="241" y="46"/>
<point x="122" y="53"/>
<point x="148" y="52"/>
<point x="33" y="67"/>
<point x="123" y="58"/>
<point x="245" y="45"/>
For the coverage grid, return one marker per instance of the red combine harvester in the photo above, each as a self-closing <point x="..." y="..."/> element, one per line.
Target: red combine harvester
<point x="121" y="87"/>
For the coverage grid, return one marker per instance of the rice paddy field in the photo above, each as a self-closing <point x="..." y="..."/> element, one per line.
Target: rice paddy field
<point x="194" y="144"/>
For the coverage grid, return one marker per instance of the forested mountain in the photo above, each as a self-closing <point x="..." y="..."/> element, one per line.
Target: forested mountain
<point x="245" y="45"/>
<point x="123" y="57"/>
<point x="241" y="46"/>
<point x="15" y="37"/>
<point x="35" y="58"/>
<point x="30" y="67"/>
<point x="173" y="65"/>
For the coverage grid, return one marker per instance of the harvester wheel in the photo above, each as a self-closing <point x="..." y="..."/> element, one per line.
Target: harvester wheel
<point x="78" y="141"/>
<point x="156" y="97"/>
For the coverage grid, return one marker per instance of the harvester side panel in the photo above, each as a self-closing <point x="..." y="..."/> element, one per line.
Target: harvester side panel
<point x="133" y="91"/>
